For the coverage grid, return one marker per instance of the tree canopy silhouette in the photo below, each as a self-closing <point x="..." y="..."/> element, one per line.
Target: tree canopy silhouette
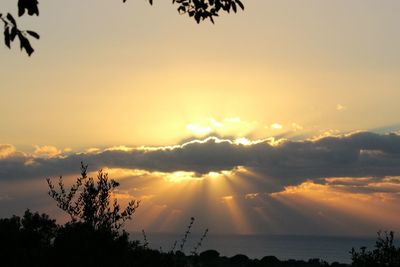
<point x="26" y="241"/>
<point x="88" y="201"/>
<point x="385" y="254"/>
<point x="93" y="236"/>
<point x="200" y="10"/>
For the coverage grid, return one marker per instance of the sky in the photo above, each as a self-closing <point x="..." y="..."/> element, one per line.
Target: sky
<point x="281" y="119"/>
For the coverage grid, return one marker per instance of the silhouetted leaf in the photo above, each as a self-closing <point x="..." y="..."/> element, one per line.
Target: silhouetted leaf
<point x="11" y="19"/>
<point x="7" y="37"/>
<point x="21" y="9"/>
<point x="240" y="4"/>
<point x="30" y="5"/>
<point x="197" y="17"/>
<point x="34" y="34"/>
<point x="14" y="32"/>
<point x="203" y="9"/>
<point x="25" y="44"/>
<point x="181" y="9"/>
<point x="234" y="7"/>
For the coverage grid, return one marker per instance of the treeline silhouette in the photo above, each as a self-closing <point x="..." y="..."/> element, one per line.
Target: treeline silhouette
<point x="36" y="240"/>
<point x="94" y="237"/>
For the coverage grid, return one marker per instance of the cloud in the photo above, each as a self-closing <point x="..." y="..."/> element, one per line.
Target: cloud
<point x="362" y="154"/>
<point x="233" y="126"/>
<point x="340" y="107"/>
<point x="6" y="150"/>
<point x="336" y="183"/>
<point x="47" y="151"/>
<point x="296" y="127"/>
<point x="365" y="185"/>
<point x="276" y="126"/>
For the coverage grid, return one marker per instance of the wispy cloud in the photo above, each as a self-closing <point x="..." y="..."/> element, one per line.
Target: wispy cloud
<point x="340" y="107"/>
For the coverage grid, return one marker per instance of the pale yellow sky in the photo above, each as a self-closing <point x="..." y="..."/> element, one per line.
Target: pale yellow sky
<point x="106" y="73"/>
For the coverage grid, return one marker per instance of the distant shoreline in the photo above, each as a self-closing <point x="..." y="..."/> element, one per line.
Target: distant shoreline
<point x="284" y="247"/>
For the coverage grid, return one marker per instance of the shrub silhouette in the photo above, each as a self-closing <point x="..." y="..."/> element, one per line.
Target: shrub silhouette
<point x="88" y="201"/>
<point x="26" y="241"/>
<point x="93" y="236"/>
<point x="79" y="243"/>
<point x="385" y="254"/>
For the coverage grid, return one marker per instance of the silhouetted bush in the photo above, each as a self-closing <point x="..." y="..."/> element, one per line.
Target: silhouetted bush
<point x="26" y="241"/>
<point x="239" y="260"/>
<point x="209" y="255"/>
<point x="81" y="243"/>
<point x="270" y="261"/>
<point x="88" y="201"/>
<point x="385" y="254"/>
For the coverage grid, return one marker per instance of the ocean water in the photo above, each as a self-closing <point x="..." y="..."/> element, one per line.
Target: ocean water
<point x="284" y="247"/>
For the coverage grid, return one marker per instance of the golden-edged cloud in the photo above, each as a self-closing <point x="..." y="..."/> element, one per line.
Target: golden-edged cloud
<point x="7" y="150"/>
<point x="285" y="162"/>
<point x="243" y="185"/>
<point x="46" y="151"/>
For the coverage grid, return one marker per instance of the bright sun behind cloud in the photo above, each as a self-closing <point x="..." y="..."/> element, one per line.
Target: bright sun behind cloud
<point x="222" y="127"/>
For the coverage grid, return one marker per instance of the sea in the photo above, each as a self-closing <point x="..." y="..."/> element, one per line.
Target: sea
<point x="284" y="247"/>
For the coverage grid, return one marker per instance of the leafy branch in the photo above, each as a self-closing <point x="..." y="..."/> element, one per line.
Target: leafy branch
<point x="207" y="9"/>
<point x="200" y="10"/>
<point x="11" y="30"/>
<point x="88" y="201"/>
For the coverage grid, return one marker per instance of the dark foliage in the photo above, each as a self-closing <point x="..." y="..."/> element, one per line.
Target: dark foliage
<point x="207" y="9"/>
<point x="93" y="237"/>
<point x="30" y="5"/>
<point x="26" y="241"/>
<point x="11" y="31"/>
<point x="79" y="243"/>
<point x="385" y="254"/>
<point x="198" y="9"/>
<point x="88" y="201"/>
<point x="35" y="240"/>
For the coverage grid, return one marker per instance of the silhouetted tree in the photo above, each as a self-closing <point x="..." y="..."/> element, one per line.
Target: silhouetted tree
<point x="88" y="201"/>
<point x="93" y="236"/>
<point x="385" y="254"/>
<point x="26" y="241"/>
<point x="80" y="244"/>
<point x="198" y="9"/>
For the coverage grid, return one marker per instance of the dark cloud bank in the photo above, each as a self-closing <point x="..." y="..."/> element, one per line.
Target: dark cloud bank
<point x="363" y="154"/>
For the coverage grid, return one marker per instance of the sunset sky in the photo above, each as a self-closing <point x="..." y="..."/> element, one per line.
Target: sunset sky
<point x="281" y="119"/>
